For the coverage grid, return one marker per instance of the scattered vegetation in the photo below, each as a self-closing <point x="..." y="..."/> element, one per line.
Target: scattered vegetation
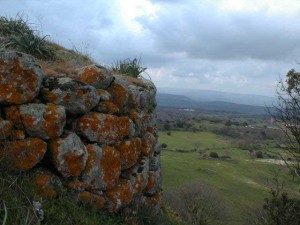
<point x="16" y="34"/>
<point x="130" y="67"/>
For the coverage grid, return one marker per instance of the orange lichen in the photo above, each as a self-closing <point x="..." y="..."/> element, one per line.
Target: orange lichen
<point x="106" y="128"/>
<point x="104" y="95"/>
<point x="18" y="134"/>
<point x="74" y="162"/>
<point x="53" y="123"/>
<point x="140" y="119"/>
<point x="118" y="93"/>
<point x="24" y="154"/>
<point x="107" y="107"/>
<point x="148" y="144"/>
<point x="93" y="199"/>
<point x="130" y="151"/>
<point x="12" y="77"/>
<point x="42" y="181"/>
<point x="151" y="181"/>
<point x="121" y="195"/>
<point x="91" y="75"/>
<point x="111" y="166"/>
<point x="12" y="113"/>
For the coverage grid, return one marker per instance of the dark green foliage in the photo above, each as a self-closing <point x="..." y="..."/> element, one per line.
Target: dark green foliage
<point x="214" y="155"/>
<point x="15" y="34"/>
<point x="279" y="209"/>
<point x="130" y="67"/>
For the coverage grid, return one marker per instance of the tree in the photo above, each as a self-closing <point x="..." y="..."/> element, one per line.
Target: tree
<point x="287" y="116"/>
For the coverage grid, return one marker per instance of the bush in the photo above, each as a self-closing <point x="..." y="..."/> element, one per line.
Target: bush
<point x="15" y="34"/>
<point x="129" y="67"/>
<point x="279" y="209"/>
<point x="214" y="155"/>
<point x="198" y="204"/>
<point x="259" y="154"/>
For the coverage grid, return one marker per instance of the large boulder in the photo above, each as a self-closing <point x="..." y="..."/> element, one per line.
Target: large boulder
<point x="95" y="75"/>
<point x="76" y="96"/>
<point x="68" y="154"/>
<point x="20" y="78"/>
<point x="103" y="128"/>
<point x="45" y="121"/>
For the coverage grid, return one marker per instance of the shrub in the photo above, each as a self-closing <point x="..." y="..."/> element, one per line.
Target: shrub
<point x="198" y="204"/>
<point x="214" y="155"/>
<point x="17" y="35"/>
<point x="130" y="67"/>
<point x="259" y="154"/>
<point x="163" y="145"/>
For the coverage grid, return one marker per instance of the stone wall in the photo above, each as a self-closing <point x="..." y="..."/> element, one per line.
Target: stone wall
<point x="93" y="133"/>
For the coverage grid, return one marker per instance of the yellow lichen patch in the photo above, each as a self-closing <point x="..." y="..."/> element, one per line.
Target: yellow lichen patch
<point x="12" y="113"/>
<point x="130" y="151"/>
<point x="120" y="196"/>
<point x="111" y="166"/>
<point x="12" y="77"/>
<point x="118" y="93"/>
<point x="25" y="154"/>
<point x="97" y="201"/>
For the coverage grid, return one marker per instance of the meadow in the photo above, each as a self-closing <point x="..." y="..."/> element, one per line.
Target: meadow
<point x="241" y="180"/>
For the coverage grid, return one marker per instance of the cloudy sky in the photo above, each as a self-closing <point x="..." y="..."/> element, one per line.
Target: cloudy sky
<point x="241" y="46"/>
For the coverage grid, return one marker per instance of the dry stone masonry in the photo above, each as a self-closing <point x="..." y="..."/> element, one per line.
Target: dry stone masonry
<point x="93" y="133"/>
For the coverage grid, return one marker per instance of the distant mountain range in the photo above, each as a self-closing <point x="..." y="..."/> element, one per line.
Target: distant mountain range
<point x="214" y="101"/>
<point x="219" y="96"/>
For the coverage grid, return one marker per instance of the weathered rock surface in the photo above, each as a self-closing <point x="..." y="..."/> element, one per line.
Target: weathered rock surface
<point x="45" y="121"/>
<point x="24" y="154"/>
<point x="20" y="78"/>
<point x="106" y="107"/>
<point x="5" y="129"/>
<point x="48" y="184"/>
<point x="120" y="196"/>
<point x="95" y="75"/>
<point x="69" y="155"/>
<point x="130" y="151"/>
<point x="77" y="97"/>
<point x="103" y="128"/>
<point x="148" y="144"/>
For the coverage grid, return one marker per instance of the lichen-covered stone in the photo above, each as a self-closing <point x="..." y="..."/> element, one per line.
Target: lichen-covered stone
<point x="119" y="92"/>
<point x="147" y="97"/>
<point x="110" y="167"/>
<point x="77" y="97"/>
<point x="95" y="200"/>
<point x="154" y="182"/>
<point x="95" y="75"/>
<point x="17" y="135"/>
<point x="12" y="113"/>
<point x="5" y="129"/>
<point x="120" y="196"/>
<point x="92" y="176"/>
<point x="140" y="120"/>
<point x="138" y="175"/>
<point x="103" y="128"/>
<point x="48" y="184"/>
<point x="106" y="107"/>
<point x="20" y="78"/>
<point x="45" y="121"/>
<point x="69" y="155"/>
<point x="155" y="163"/>
<point x="153" y="202"/>
<point x="130" y="151"/>
<point x="104" y="95"/>
<point x="148" y="144"/>
<point x="24" y="154"/>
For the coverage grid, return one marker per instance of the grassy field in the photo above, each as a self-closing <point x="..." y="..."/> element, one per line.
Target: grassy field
<point x="243" y="182"/>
